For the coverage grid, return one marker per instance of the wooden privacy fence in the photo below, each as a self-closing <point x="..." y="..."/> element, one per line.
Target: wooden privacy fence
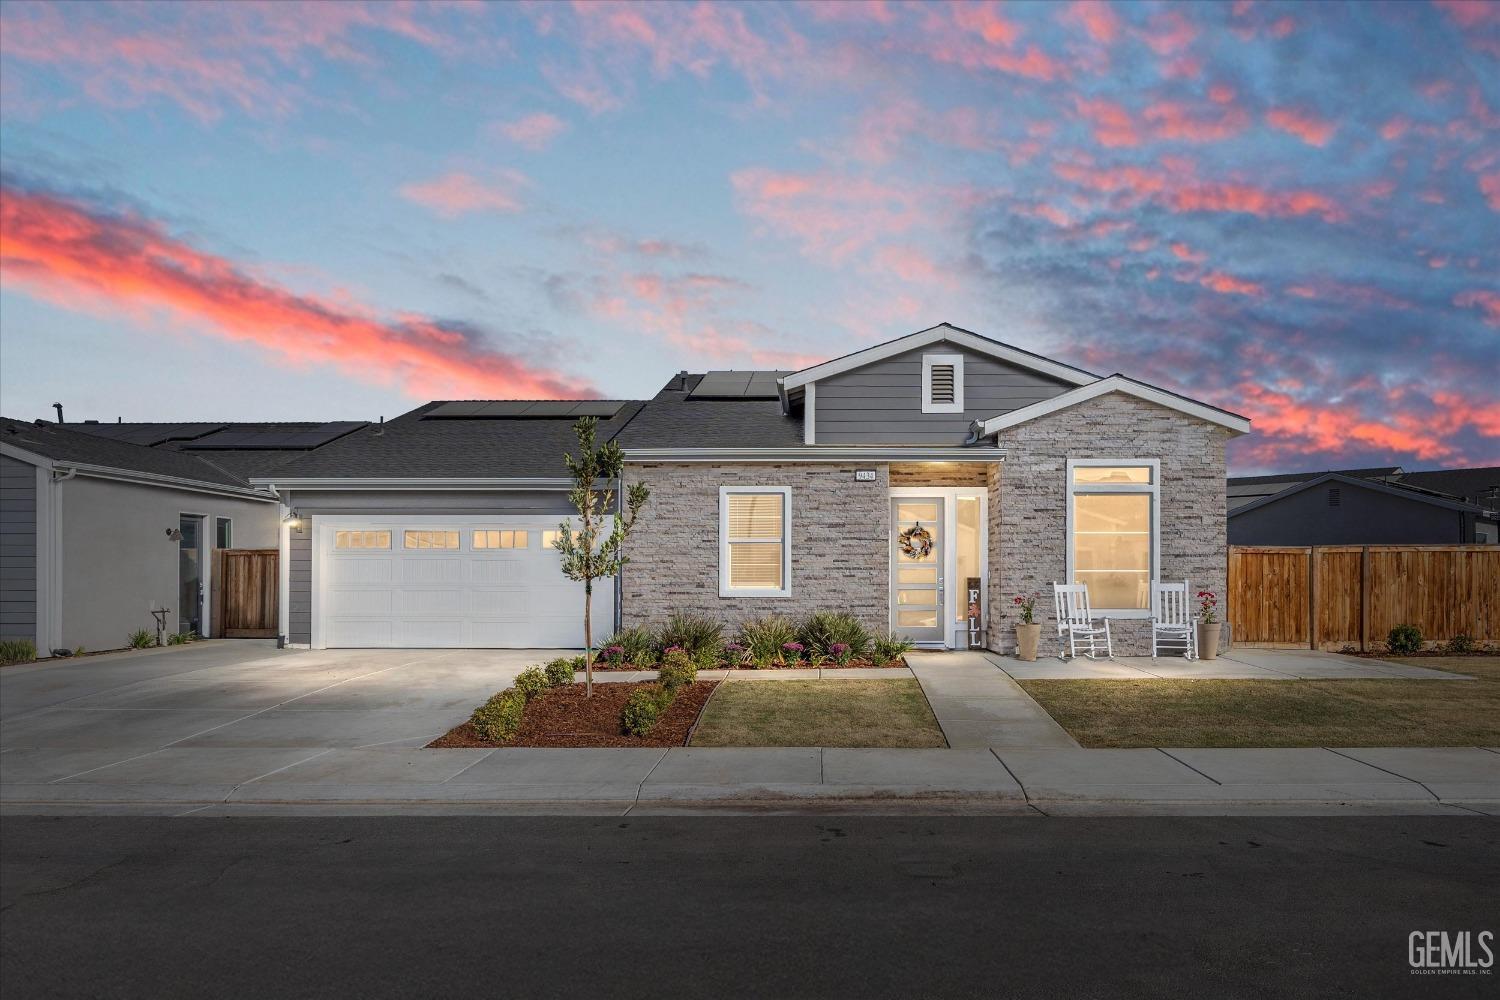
<point x="246" y="594"/>
<point x="1332" y="596"/>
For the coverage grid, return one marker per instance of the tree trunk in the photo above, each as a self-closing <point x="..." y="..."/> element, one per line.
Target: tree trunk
<point x="588" y="639"/>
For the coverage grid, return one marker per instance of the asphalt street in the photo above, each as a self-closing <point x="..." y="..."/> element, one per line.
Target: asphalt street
<point x="730" y="906"/>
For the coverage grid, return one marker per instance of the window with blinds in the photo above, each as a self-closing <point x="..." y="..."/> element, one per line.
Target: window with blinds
<point x="753" y="544"/>
<point x="942" y="383"/>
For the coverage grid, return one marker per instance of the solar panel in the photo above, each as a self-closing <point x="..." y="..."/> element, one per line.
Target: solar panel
<point x="602" y="408"/>
<point x="550" y="408"/>
<point x="503" y="408"/>
<point x="737" y="385"/>
<point x="290" y="437"/>
<point x="147" y="434"/>
<point x="461" y="408"/>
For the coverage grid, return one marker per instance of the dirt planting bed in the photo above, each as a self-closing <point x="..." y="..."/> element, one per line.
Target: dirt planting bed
<point x="563" y="717"/>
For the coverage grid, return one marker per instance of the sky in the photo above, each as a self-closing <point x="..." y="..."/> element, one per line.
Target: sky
<point x="243" y="211"/>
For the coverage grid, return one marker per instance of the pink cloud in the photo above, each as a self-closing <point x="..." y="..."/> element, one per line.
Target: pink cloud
<point x="534" y="132"/>
<point x="1395" y="128"/>
<point x="1168" y="33"/>
<point x="1486" y="302"/>
<point x="1228" y="284"/>
<point x="1304" y="125"/>
<point x="75" y="256"/>
<point x="1247" y="199"/>
<point x="914" y="266"/>
<point x="456" y="193"/>
<point x="1096" y="17"/>
<point x="1184" y="252"/>
<point x="1112" y="123"/>
<point x="1221" y="93"/>
<point x="831" y="215"/>
<point x="1194" y="123"/>
<point x="1489" y="186"/>
<point x="1469" y="13"/>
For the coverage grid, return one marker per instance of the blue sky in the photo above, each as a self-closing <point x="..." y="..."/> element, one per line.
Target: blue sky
<point x="238" y="211"/>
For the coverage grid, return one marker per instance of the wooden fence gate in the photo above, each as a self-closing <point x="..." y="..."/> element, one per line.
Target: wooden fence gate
<point x="247" y="593"/>
<point x="1329" y="597"/>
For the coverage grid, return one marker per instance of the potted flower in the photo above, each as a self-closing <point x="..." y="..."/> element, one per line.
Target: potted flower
<point x="1208" y="625"/>
<point x="1028" y="629"/>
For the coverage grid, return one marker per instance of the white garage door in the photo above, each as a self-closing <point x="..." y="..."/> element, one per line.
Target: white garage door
<point x="465" y="582"/>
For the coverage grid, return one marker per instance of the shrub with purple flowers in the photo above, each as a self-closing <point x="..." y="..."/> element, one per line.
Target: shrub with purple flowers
<point x="792" y="650"/>
<point x="613" y="655"/>
<point x="840" y="653"/>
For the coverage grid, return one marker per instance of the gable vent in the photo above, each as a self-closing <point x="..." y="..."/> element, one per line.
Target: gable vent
<point x="943" y="381"/>
<point x="1335" y="496"/>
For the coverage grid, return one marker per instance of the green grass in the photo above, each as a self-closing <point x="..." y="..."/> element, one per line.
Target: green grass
<point x="1240" y="713"/>
<point x="832" y="713"/>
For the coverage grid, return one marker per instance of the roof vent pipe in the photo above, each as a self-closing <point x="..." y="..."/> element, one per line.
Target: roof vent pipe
<point x="58" y="408"/>
<point x="380" y="429"/>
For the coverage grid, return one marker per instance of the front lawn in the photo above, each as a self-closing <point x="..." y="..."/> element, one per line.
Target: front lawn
<point x="828" y="713"/>
<point x="1241" y="713"/>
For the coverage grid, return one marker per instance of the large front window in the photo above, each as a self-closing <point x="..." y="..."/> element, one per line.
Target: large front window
<point x="1112" y="531"/>
<point x="753" y="527"/>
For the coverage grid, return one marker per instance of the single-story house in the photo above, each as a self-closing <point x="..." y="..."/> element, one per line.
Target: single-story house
<point x="914" y="484"/>
<point x="100" y="524"/>
<point x="1379" y="507"/>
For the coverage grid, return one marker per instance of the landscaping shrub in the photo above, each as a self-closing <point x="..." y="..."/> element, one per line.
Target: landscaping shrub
<point x="532" y="681"/>
<point x="822" y="630"/>
<point x="1461" y="644"/>
<point x="792" y="651"/>
<point x="637" y="645"/>
<point x="763" y="637"/>
<point x="699" y="635"/>
<point x="559" y="672"/>
<point x="677" y="669"/>
<point x="179" y="638"/>
<point x="733" y="654"/>
<point x="499" y="719"/>
<point x="17" y="651"/>
<point x="644" y="708"/>
<point x="892" y="647"/>
<point x="1404" y="640"/>
<point x="140" y="639"/>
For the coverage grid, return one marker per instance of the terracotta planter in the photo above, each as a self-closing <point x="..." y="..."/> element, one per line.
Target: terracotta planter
<point x="1027" y="637"/>
<point x="1208" y="640"/>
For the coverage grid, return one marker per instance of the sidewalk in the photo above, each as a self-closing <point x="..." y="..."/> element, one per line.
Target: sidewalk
<point x="1054" y="781"/>
<point x="978" y="705"/>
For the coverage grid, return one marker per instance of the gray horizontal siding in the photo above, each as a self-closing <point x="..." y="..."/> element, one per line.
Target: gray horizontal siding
<point x="17" y="549"/>
<point x="881" y="403"/>
<point x="299" y="583"/>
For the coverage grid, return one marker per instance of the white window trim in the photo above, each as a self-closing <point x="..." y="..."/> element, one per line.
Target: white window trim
<point x="725" y="590"/>
<point x="229" y="521"/>
<point x="1152" y="489"/>
<point x="957" y="361"/>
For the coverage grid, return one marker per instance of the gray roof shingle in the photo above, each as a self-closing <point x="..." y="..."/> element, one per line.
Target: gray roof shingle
<point x="672" y="420"/>
<point x="62" y="443"/>
<point x="410" y="447"/>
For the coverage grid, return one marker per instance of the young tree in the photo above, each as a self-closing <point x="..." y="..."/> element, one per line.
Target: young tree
<point x="590" y="554"/>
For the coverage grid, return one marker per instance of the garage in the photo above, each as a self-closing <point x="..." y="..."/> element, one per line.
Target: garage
<point x="446" y="581"/>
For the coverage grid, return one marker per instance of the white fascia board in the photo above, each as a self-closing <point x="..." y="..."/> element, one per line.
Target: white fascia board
<point x="139" y="478"/>
<point x="22" y="455"/>
<point x="953" y="335"/>
<point x="1117" y="383"/>
<point x="816" y="453"/>
<point x="419" y="483"/>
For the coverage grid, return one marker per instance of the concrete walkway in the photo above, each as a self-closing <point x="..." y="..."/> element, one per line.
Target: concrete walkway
<point x="978" y="705"/>
<point x="208" y="781"/>
<point x="1236" y="664"/>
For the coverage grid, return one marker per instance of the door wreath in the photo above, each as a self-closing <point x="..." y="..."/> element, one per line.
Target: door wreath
<point x="916" y="542"/>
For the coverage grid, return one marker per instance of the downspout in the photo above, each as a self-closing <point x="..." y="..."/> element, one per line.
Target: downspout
<point x="55" y="552"/>
<point x="620" y="576"/>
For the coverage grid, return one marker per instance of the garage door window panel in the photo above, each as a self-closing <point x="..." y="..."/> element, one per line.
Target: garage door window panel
<point x="430" y="539"/>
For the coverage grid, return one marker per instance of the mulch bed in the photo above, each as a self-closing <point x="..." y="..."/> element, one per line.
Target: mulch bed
<point x="851" y="665"/>
<point x="563" y="717"/>
<point x="1373" y="655"/>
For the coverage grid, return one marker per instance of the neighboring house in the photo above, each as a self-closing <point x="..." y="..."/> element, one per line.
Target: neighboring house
<point x="102" y="523"/>
<point x="772" y="492"/>
<point x="1364" y="507"/>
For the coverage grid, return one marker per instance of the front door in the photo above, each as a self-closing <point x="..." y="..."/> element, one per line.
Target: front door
<point x="917" y="542"/>
<point x="190" y="575"/>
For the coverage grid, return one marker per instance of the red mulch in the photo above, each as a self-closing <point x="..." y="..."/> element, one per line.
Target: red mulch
<point x="799" y="665"/>
<point x="563" y="717"/>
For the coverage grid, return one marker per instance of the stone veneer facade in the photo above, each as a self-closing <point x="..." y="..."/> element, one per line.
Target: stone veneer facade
<point x="841" y="527"/>
<point x="1028" y="504"/>
<point x="840" y="532"/>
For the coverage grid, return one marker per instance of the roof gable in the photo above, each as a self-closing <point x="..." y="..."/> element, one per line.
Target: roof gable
<point x="1374" y="485"/>
<point x="1127" y="386"/>
<point x="922" y="338"/>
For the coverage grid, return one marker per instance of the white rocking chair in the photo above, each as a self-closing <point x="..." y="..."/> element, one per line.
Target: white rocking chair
<point x="1173" y="626"/>
<point x="1076" y="625"/>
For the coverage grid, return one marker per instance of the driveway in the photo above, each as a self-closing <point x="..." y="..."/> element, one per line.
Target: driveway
<point x="65" y="718"/>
